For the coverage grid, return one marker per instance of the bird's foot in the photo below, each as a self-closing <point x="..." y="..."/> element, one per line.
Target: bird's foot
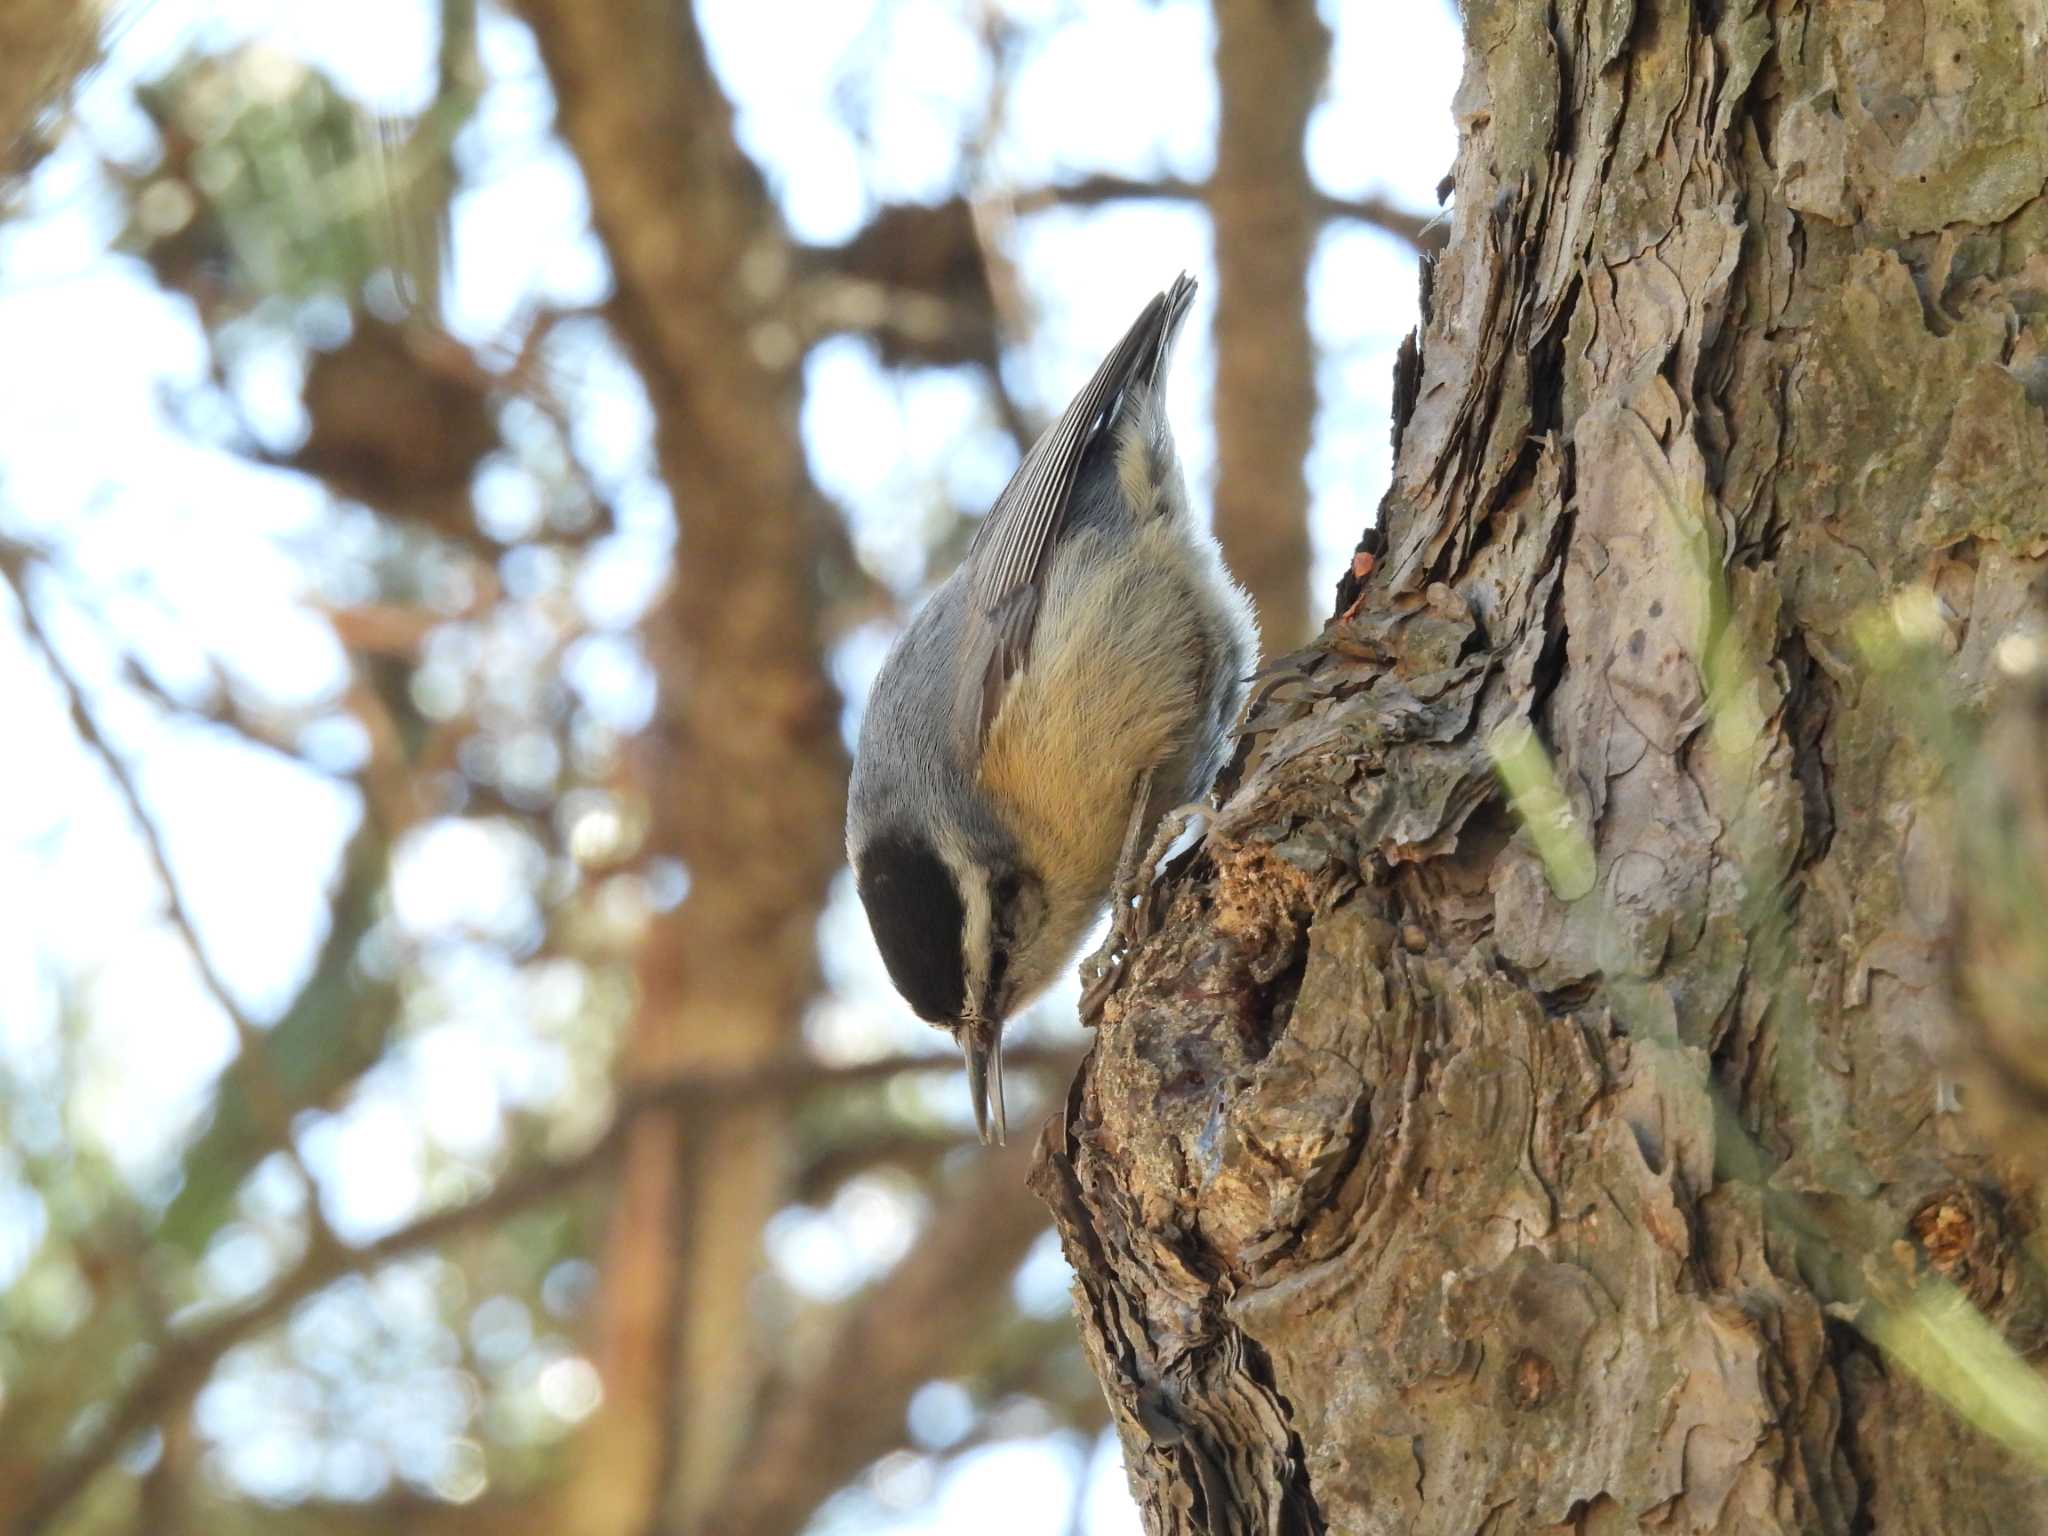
<point x="1131" y="919"/>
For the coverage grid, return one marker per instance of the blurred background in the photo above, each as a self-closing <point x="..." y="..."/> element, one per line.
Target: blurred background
<point x="460" y="469"/>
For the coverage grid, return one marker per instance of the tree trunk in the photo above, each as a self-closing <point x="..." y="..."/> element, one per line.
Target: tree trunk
<point x="746" y="780"/>
<point x="1576" y="1156"/>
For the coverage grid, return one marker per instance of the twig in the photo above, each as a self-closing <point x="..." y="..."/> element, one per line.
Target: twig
<point x="926" y="1312"/>
<point x="1422" y="232"/>
<point x="12" y="565"/>
<point x="269" y="1103"/>
<point x="783" y="1079"/>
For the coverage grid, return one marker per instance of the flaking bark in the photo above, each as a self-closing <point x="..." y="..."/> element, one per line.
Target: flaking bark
<point x="1440" y="1170"/>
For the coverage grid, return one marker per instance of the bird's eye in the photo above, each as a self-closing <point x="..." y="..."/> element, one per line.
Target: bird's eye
<point x="1003" y="894"/>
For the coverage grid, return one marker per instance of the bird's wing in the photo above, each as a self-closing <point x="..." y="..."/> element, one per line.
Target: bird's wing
<point x="1011" y="549"/>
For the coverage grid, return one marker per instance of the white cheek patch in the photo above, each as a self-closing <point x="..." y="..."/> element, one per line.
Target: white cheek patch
<point x="976" y="938"/>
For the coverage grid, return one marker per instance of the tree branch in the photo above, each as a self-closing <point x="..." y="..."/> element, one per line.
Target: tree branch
<point x="925" y="1313"/>
<point x="916" y="279"/>
<point x="1422" y="232"/>
<point x="14" y="560"/>
<point x="181" y="1367"/>
<point x="270" y="1106"/>
<point x="703" y="272"/>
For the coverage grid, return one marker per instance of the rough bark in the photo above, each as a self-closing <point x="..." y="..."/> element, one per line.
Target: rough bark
<point x="1449" y="1165"/>
<point x="1271" y="61"/>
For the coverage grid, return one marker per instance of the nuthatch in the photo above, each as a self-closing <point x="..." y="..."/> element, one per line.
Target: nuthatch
<point x="1071" y="682"/>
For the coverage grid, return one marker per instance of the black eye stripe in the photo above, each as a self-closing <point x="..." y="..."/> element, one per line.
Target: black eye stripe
<point x="1003" y="892"/>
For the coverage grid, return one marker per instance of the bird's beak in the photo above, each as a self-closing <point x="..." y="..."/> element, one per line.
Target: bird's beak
<point x="982" y="1041"/>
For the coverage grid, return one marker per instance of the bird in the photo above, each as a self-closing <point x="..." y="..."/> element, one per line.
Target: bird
<point x="1068" y="686"/>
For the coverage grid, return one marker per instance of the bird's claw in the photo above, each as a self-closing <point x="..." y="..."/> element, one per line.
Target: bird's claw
<point x="1131" y="909"/>
<point x="1100" y="973"/>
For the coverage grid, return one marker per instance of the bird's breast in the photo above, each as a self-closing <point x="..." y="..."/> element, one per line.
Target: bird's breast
<point x="1111" y="687"/>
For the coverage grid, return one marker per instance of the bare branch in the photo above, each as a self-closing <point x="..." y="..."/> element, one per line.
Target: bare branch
<point x="253" y="1079"/>
<point x="1422" y="232"/>
<point x="707" y="1090"/>
<point x="925" y="1314"/>
<point x="495" y="1514"/>
<point x="181" y="1366"/>
<point x="13" y="566"/>
<point x="918" y="280"/>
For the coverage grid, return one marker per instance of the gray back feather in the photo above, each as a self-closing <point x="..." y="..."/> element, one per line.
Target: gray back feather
<point x="1008" y="556"/>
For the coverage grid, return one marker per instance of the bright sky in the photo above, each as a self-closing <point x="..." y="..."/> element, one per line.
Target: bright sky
<point x="177" y="552"/>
